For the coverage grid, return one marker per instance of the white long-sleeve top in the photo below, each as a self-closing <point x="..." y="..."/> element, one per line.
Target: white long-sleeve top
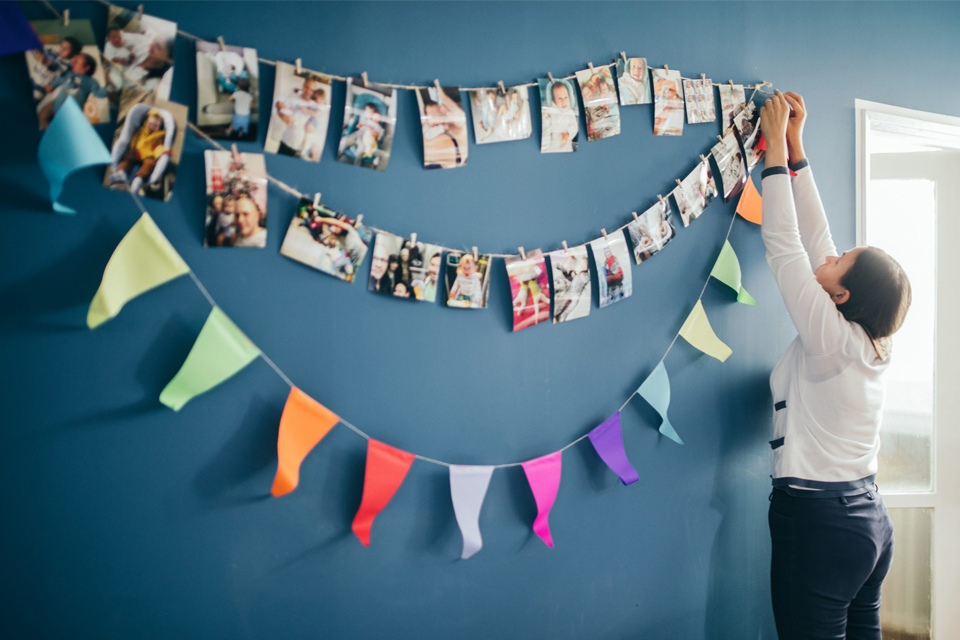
<point x="827" y="387"/>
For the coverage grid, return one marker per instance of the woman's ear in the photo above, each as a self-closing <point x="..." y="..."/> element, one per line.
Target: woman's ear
<point x="843" y="296"/>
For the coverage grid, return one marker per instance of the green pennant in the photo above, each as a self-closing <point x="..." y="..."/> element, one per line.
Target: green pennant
<point x="727" y="271"/>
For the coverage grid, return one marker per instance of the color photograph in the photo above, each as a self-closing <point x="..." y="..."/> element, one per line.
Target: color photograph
<point x="369" y="118"/>
<point x="529" y="289"/>
<point x="651" y="231"/>
<point x="466" y="279"/>
<point x="732" y="97"/>
<point x="300" y="114"/>
<point x="747" y="125"/>
<point x="633" y="80"/>
<point x="733" y="171"/>
<point x="695" y="192"/>
<point x="228" y="91"/>
<point x="236" y="200"/>
<point x="612" y="259"/>
<point x="571" y="283"/>
<point x="599" y="103"/>
<point x="698" y="98"/>
<point x="138" y="49"/>
<point x="404" y="269"/>
<point x="560" y="116"/>
<point x="667" y="103"/>
<point x="444" y="125"/>
<point x="499" y="116"/>
<point x="328" y="241"/>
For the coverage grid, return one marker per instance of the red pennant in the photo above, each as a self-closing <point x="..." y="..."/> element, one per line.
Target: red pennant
<point x="386" y="469"/>
<point x="303" y="424"/>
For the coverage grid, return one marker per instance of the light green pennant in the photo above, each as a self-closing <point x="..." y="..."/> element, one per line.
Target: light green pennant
<point x="143" y="260"/>
<point x="697" y="331"/>
<point x="220" y="351"/>
<point x="727" y="271"/>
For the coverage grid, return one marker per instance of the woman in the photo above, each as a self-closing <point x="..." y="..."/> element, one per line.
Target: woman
<point x="832" y="539"/>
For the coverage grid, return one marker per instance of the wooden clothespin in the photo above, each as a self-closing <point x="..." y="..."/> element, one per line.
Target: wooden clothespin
<point x="140" y="12"/>
<point x="635" y="217"/>
<point x="550" y="75"/>
<point x="720" y="138"/>
<point x="703" y="159"/>
<point x="523" y="255"/>
<point x="359" y="220"/>
<point x="703" y="77"/>
<point x="436" y="83"/>
<point x="363" y="76"/>
<point x="623" y="55"/>
<point x="316" y="200"/>
<point x="299" y="68"/>
<point x="592" y="70"/>
<point x="476" y="255"/>
<point x="233" y="148"/>
<point x="666" y="67"/>
<point x="604" y="232"/>
<point x="66" y="17"/>
<point x="660" y="198"/>
<point x="223" y="46"/>
<point x="679" y="184"/>
<point x="413" y="239"/>
<point x="731" y="84"/>
<point x="565" y="247"/>
<point x="502" y="88"/>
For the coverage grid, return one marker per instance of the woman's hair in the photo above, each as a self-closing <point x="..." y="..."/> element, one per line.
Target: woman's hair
<point x="880" y="293"/>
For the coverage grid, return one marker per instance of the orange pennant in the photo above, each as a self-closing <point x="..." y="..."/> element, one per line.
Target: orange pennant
<point x="751" y="204"/>
<point x="386" y="469"/>
<point x="303" y="424"/>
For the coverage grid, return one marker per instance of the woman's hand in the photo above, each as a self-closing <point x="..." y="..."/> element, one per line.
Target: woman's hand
<point x="774" y="115"/>
<point x="798" y="116"/>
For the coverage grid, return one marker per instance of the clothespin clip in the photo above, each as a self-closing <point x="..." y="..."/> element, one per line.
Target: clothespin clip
<point x="223" y="46"/>
<point x="703" y="159"/>
<point x="623" y="55"/>
<point x="662" y="202"/>
<point x="236" y="154"/>
<point x="666" y="67"/>
<point x="475" y="254"/>
<point x="720" y="138"/>
<point x="604" y="232"/>
<point x="359" y="220"/>
<point x="523" y="255"/>
<point x="635" y="217"/>
<point x="731" y="84"/>
<point x="363" y="76"/>
<point x="413" y="239"/>
<point x="592" y="70"/>
<point x="565" y="247"/>
<point x="679" y="184"/>
<point x="316" y="200"/>
<point x="550" y="75"/>
<point x="299" y="68"/>
<point x="703" y="77"/>
<point x="502" y="88"/>
<point x="140" y="12"/>
<point x="66" y="17"/>
<point x="436" y="83"/>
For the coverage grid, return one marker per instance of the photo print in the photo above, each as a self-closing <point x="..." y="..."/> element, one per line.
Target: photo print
<point x="138" y="51"/>
<point x="328" y="241"/>
<point x="633" y="79"/>
<point x="651" y="231"/>
<point x="499" y="116"/>
<point x="747" y="125"/>
<point x="529" y="289"/>
<point x="228" y="91"/>
<point x="404" y="268"/>
<point x="667" y="103"/>
<point x="369" y="119"/>
<point x="68" y="66"/>
<point x="236" y="200"/>
<point x="444" y="125"/>
<point x="571" y="283"/>
<point x="599" y="103"/>
<point x="733" y="171"/>
<point x="146" y="149"/>
<point x="698" y="97"/>
<point x="560" y="116"/>
<point x="732" y="97"/>
<point x="467" y="281"/>
<point x="695" y="192"/>
<point x="612" y="258"/>
<point x="300" y="113"/>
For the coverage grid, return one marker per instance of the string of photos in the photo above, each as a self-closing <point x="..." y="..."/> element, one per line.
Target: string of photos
<point x="145" y="259"/>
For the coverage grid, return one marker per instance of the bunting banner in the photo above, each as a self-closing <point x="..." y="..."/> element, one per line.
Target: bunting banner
<point x="303" y="424"/>
<point x="697" y="331"/>
<point x="607" y="439"/>
<point x="750" y="205"/>
<point x="727" y="270"/>
<point x="386" y="469"/>
<point x="468" y="488"/>
<point x="656" y="391"/>
<point x="142" y="261"/>
<point x="221" y="350"/>
<point x="543" y="474"/>
<point x="16" y="34"/>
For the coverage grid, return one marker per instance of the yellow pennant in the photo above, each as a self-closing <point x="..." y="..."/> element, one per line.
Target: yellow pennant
<point x="697" y="331"/>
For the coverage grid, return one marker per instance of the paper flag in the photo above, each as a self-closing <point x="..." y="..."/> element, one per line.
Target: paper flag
<point x="69" y="143"/>
<point x="727" y="270"/>
<point x="750" y="206"/>
<point x="303" y="424"/>
<point x="607" y="439"/>
<point x="543" y="474"/>
<point x="656" y="391"/>
<point x="143" y="260"/>
<point x="220" y="351"/>
<point x="386" y="469"/>
<point x="697" y="331"/>
<point x="468" y="487"/>
<point x="16" y="34"/>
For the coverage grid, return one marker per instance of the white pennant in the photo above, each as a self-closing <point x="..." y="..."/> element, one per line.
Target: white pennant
<point x="468" y="486"/>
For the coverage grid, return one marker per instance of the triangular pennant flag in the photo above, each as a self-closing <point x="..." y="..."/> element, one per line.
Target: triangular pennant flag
<point x="16" y="34"/>
<point x="750" y="206"/>
<point x="386" y="469"/>
<point x="543" y="474"/>
<point x="697" y="331"/>
<point x="468" y="487"/>
<point x="607" y="439"/>
<point x="303" y="424"/>
<point x="143" y="260"/>
<point x="220" y="351"/>
<point x="727" y="270"/>
<point x="69" y="143"/>
<point x="656" y="391"/>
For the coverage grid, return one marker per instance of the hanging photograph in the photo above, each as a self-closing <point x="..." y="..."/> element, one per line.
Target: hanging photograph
<point x="747" y="125"/>
<point x="328" y="241"/>
<point x="499" y="116"/>
<point x="139" y="51"/>
<point x="599" y="103"/>
<point x="68" y="66"/>
<point x="465" y="276"/>
<point x="228" y="91"/>
<point x="732" y="97"/>
<point x="236" y="200"/>
<point x="559" y="115"/>
<point x="146" y="149"/>
<point x="571" y="283"/>
<point x="529" y="289"/>
<point x="404" y="269"/>
<point x="667" y="103"/>
<point x="612" y="259"/>
<point x="633" y="80"/>
<point x="698" y="97"/>
<point x="651" y="231"/>
<point x="444" y="125"/>
<point x="733" y="171"/>
<point x="695" y="192"/>
<point x="300" y="113"/>
<point x="369" y="118"/>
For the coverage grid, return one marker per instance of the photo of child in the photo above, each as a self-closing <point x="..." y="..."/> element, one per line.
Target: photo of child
<point x="698" y="97"/>
<point x="559" y="115"/>
<point x="695" y="192"/>
<point x="651" y="231"/>
<point x="571" y="283"/>
<point x="138" y="49"/>
<point x="633" y="79"/>
<point x="747" y="126"/>
<point x="733" y="171"/>
<point x="404" y="269"/>
<point x="612" y="259"/>
<point x="68" y="66"/>
<point x="465" y="276"/>
<point x="500" y="116"/>
<point x="732" y="97"/>
<point x="228" y="91"/>
<point x="529" y="289"/>
<point x="146" y="149"/>
<point x="328" y="241"/>
<point x="236" y="200"/>
<point x="599" y="103"/>
<point x="300" y="113"/>
<point x="444" y="125"/>
<point x="667" y="103"/>
<point x="369" y="118"/>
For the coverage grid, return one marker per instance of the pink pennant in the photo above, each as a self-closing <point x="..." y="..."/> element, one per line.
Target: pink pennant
<point x="543" y="474"/>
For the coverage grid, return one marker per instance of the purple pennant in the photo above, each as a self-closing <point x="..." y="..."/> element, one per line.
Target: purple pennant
<point x="607" y="439"/>
<point x="16" y="34"/>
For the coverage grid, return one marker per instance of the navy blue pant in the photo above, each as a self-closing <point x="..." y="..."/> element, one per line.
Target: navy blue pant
<point x="830" y="556"/>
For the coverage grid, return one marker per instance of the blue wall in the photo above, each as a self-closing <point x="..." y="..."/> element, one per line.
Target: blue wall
<point x="123" y="519"/>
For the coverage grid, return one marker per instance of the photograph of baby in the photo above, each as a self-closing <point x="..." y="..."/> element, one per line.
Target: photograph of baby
<point x="571" y="283"/>
<point x="612" y="258"/>
<point x="404" y="269"/>
<point x="733" y="171"/>
<point x="228" y="91"/>
<point x="236" y="200"/>
<point x="146" y="149"/>
<point x="529" y="289"/>
<point x="465" y="276"/>
<point x="499" y="116"/>
<point x="369" y="119"/>
<point x="633" y="79"/>
<point x="138" y="49"/>
<point x="667" y="103"/>
<point x="732" y="97"/>
<point x="559" y="115"/>
<point x="444" y="124"/>
<point x="69" y="65"/>
<point x="695" y="192"/>
<point x="599" y="103"/>
<point x="698" y="96"/>
<point x="328" y="241"/>
<point x="651" y="231"/>
<point x="300" y="113"/>
<point x="747" y="125"/>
